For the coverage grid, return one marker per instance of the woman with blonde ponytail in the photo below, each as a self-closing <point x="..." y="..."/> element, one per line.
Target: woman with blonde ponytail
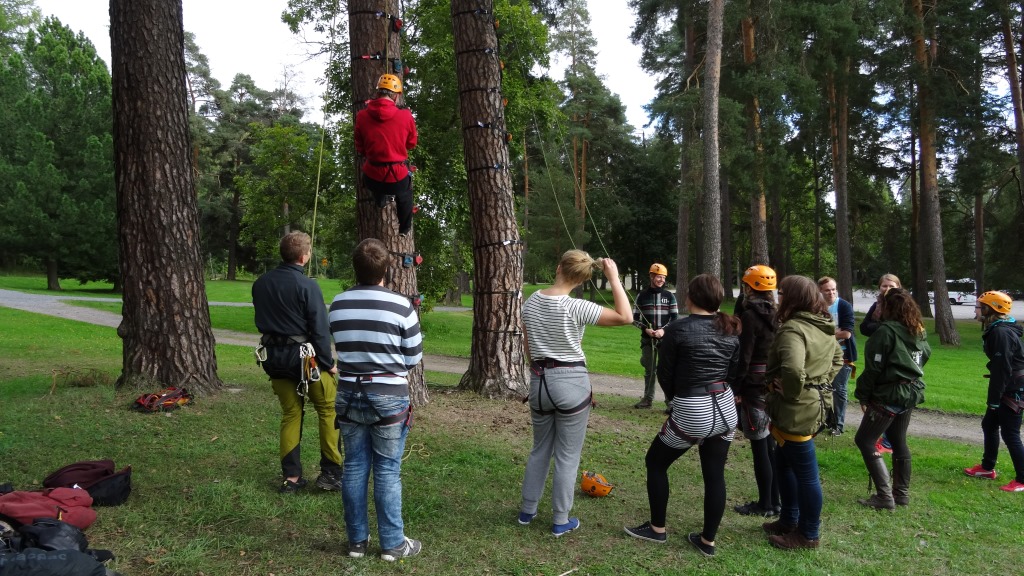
<point x="560" y="393"/>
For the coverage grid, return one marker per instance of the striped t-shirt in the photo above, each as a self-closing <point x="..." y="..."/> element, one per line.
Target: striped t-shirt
<point x="554" y="326"/>
<point x="376" y="331"/>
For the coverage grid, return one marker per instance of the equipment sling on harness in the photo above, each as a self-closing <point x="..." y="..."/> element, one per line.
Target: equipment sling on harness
<point x="538" y="367"/>
<point x="364" y="385"/>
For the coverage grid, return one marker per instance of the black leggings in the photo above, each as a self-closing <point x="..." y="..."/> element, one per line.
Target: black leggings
<point x="713" y="452"/>
<point x="764" y="472"/>
<point x="401" y="190"/>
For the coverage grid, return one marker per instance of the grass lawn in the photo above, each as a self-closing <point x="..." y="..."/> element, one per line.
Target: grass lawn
<point x="204" y="499"/>
<point x="954" y="375"/>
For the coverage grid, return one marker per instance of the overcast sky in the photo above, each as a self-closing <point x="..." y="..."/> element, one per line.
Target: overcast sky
<point x="248" y="37"/>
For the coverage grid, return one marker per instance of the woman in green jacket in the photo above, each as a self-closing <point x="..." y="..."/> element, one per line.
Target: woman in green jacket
<point x="888" y="390"/>
<point x="802" y="362"/>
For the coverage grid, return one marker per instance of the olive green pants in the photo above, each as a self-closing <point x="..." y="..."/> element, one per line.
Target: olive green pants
<point x="322" y="395"/>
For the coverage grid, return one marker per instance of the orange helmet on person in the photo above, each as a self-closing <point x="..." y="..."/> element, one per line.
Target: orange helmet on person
<point x="594" y="484"/>
<point x="659" y="269"/>
<point x="389" y="82"/>
<point x="998" y="301"/>
<point x="760" y="277"/>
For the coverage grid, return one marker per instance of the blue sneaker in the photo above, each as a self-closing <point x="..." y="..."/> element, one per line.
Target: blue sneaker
<point x="525" y="518"/>
<point x="561" y="529"/>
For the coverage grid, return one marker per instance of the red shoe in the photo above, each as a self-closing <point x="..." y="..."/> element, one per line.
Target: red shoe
<point x="1013" y="486"/>
<point x="881" y="449"/>
<point x="979" y="472"/>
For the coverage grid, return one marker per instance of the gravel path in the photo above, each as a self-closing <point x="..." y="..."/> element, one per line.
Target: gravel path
<point x="966" y="429"/>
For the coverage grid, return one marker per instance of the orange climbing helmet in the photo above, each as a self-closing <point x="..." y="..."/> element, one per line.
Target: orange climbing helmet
<point x="998" y="301"/>
<point x="659" y="269"/>
<point x="594" y="484"/>
<point x="389" y="82"/>
<point x="760" y="277"/>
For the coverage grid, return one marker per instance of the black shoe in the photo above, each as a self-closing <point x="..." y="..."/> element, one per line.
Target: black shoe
<point x="645" y="532"/>
<point x="329" y="480"/>
<point x="752" y="508"/>
<point x="705" y="549"/>
<point x="289" y="487"/>
<point x="642" y="404"/>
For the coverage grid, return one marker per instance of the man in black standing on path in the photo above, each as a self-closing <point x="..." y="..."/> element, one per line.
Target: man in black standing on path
<point x="655" y="308"/>
<point x="297" y="352"/>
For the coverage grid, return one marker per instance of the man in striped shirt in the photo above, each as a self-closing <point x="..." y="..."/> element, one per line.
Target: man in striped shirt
<point x="377" y="338"/>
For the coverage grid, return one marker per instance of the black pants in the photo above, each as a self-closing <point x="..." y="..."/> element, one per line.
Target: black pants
<point x="401" y="190"/>
<point x="1004" y="422"/>
<point x="713" y="452"/>
<point x="876" y="422"/>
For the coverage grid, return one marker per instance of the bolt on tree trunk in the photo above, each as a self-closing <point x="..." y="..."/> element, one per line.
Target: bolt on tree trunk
<point x="496" y="366"/>
<point x="374" y="48"/>
<point x="166" y="333"/>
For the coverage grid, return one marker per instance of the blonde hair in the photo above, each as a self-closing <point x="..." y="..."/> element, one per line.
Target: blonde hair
<point x="577" y="266"/>
<point x="891" y="278"/>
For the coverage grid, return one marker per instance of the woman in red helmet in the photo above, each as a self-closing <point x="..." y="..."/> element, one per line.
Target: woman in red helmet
<point x="1001" y="340"/>
<point x="758" y="318"/>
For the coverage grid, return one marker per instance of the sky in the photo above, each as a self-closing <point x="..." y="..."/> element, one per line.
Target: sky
<point x="248" y="37"/>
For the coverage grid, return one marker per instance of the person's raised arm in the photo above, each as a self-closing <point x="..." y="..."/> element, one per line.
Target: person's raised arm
<point x="622" y="314"/>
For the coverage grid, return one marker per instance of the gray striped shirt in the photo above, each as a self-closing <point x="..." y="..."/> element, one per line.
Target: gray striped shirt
<point x="555" y="324"/>
<point x="376" y="331"/>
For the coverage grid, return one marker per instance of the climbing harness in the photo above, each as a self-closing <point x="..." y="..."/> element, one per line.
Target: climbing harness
<point x="539" y="367"/>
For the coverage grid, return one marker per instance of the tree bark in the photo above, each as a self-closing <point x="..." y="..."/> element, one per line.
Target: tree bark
<point x="165" y="327"/>
<point x="758" y="206"/>
<point x="373" y="46"/>
<point x="727" y="265"/>
<point x="687" y="168"/>
<point x="497" y="361"/>
<point x="712" y="210"/>
<point x="838" y="114"/>
<point x="931" y="221"/>
<point x="1013" y="75"/>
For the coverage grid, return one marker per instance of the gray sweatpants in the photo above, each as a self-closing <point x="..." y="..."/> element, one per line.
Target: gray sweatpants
<point x="556" y="435"/>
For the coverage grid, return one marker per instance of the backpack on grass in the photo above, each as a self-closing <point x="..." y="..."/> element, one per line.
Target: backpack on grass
<point x="97" y="477"/>
<point x="167" y="399"/>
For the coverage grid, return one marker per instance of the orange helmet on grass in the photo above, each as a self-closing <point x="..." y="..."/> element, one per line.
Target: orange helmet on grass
<point x="594" y="484"/>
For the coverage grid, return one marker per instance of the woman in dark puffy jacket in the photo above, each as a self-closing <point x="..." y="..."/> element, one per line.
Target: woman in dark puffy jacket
<point x="699" y="357"/>
<point x="888" y="390"/>
<point x="758" y="317"/>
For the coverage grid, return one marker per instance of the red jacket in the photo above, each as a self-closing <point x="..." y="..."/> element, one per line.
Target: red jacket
<point x="71" y="505"/>
<point x="384" y="135"/>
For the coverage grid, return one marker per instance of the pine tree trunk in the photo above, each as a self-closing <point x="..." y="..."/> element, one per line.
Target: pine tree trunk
<point x="687" y="168"/>
<point x="727" y="266"/>
<point x="712" y="194"/>
<point x="1015" y="87"/>
<point x="758" y="207"/>
<point x="931" y="221"/>
<point x="374" y="47"/>
<point x="166" y="333"/>
<point x="838" y="114"/>
<point x="497" y="362"/>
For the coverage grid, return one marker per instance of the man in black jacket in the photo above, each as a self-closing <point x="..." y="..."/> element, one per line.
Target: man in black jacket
<point x="297" y="353"/>
<point x="655" y="308"/>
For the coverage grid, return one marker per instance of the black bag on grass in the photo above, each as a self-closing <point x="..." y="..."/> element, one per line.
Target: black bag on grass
<point x="106" y="487"/>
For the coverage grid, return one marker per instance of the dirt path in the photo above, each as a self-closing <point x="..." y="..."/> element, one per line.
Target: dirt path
<point x="957" y="428"/>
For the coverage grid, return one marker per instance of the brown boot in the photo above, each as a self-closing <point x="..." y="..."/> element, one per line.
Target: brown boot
<point x="777" y="528"/>
<point x="901" y="481"/>
<point x="793" y="541"/>
<point x="882" y="498"/>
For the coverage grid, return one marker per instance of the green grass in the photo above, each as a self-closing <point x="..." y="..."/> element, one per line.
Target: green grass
<point x="204" y="481"/>
<point x="954" y="374"/>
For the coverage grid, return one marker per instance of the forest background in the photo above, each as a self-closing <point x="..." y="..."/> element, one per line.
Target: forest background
<point x="796" y="77"/>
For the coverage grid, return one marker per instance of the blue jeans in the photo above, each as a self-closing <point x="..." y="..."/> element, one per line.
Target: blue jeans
<point x="800" y="487"/>
<point x="377" y="447"/>
<point x="839" y="395"/>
